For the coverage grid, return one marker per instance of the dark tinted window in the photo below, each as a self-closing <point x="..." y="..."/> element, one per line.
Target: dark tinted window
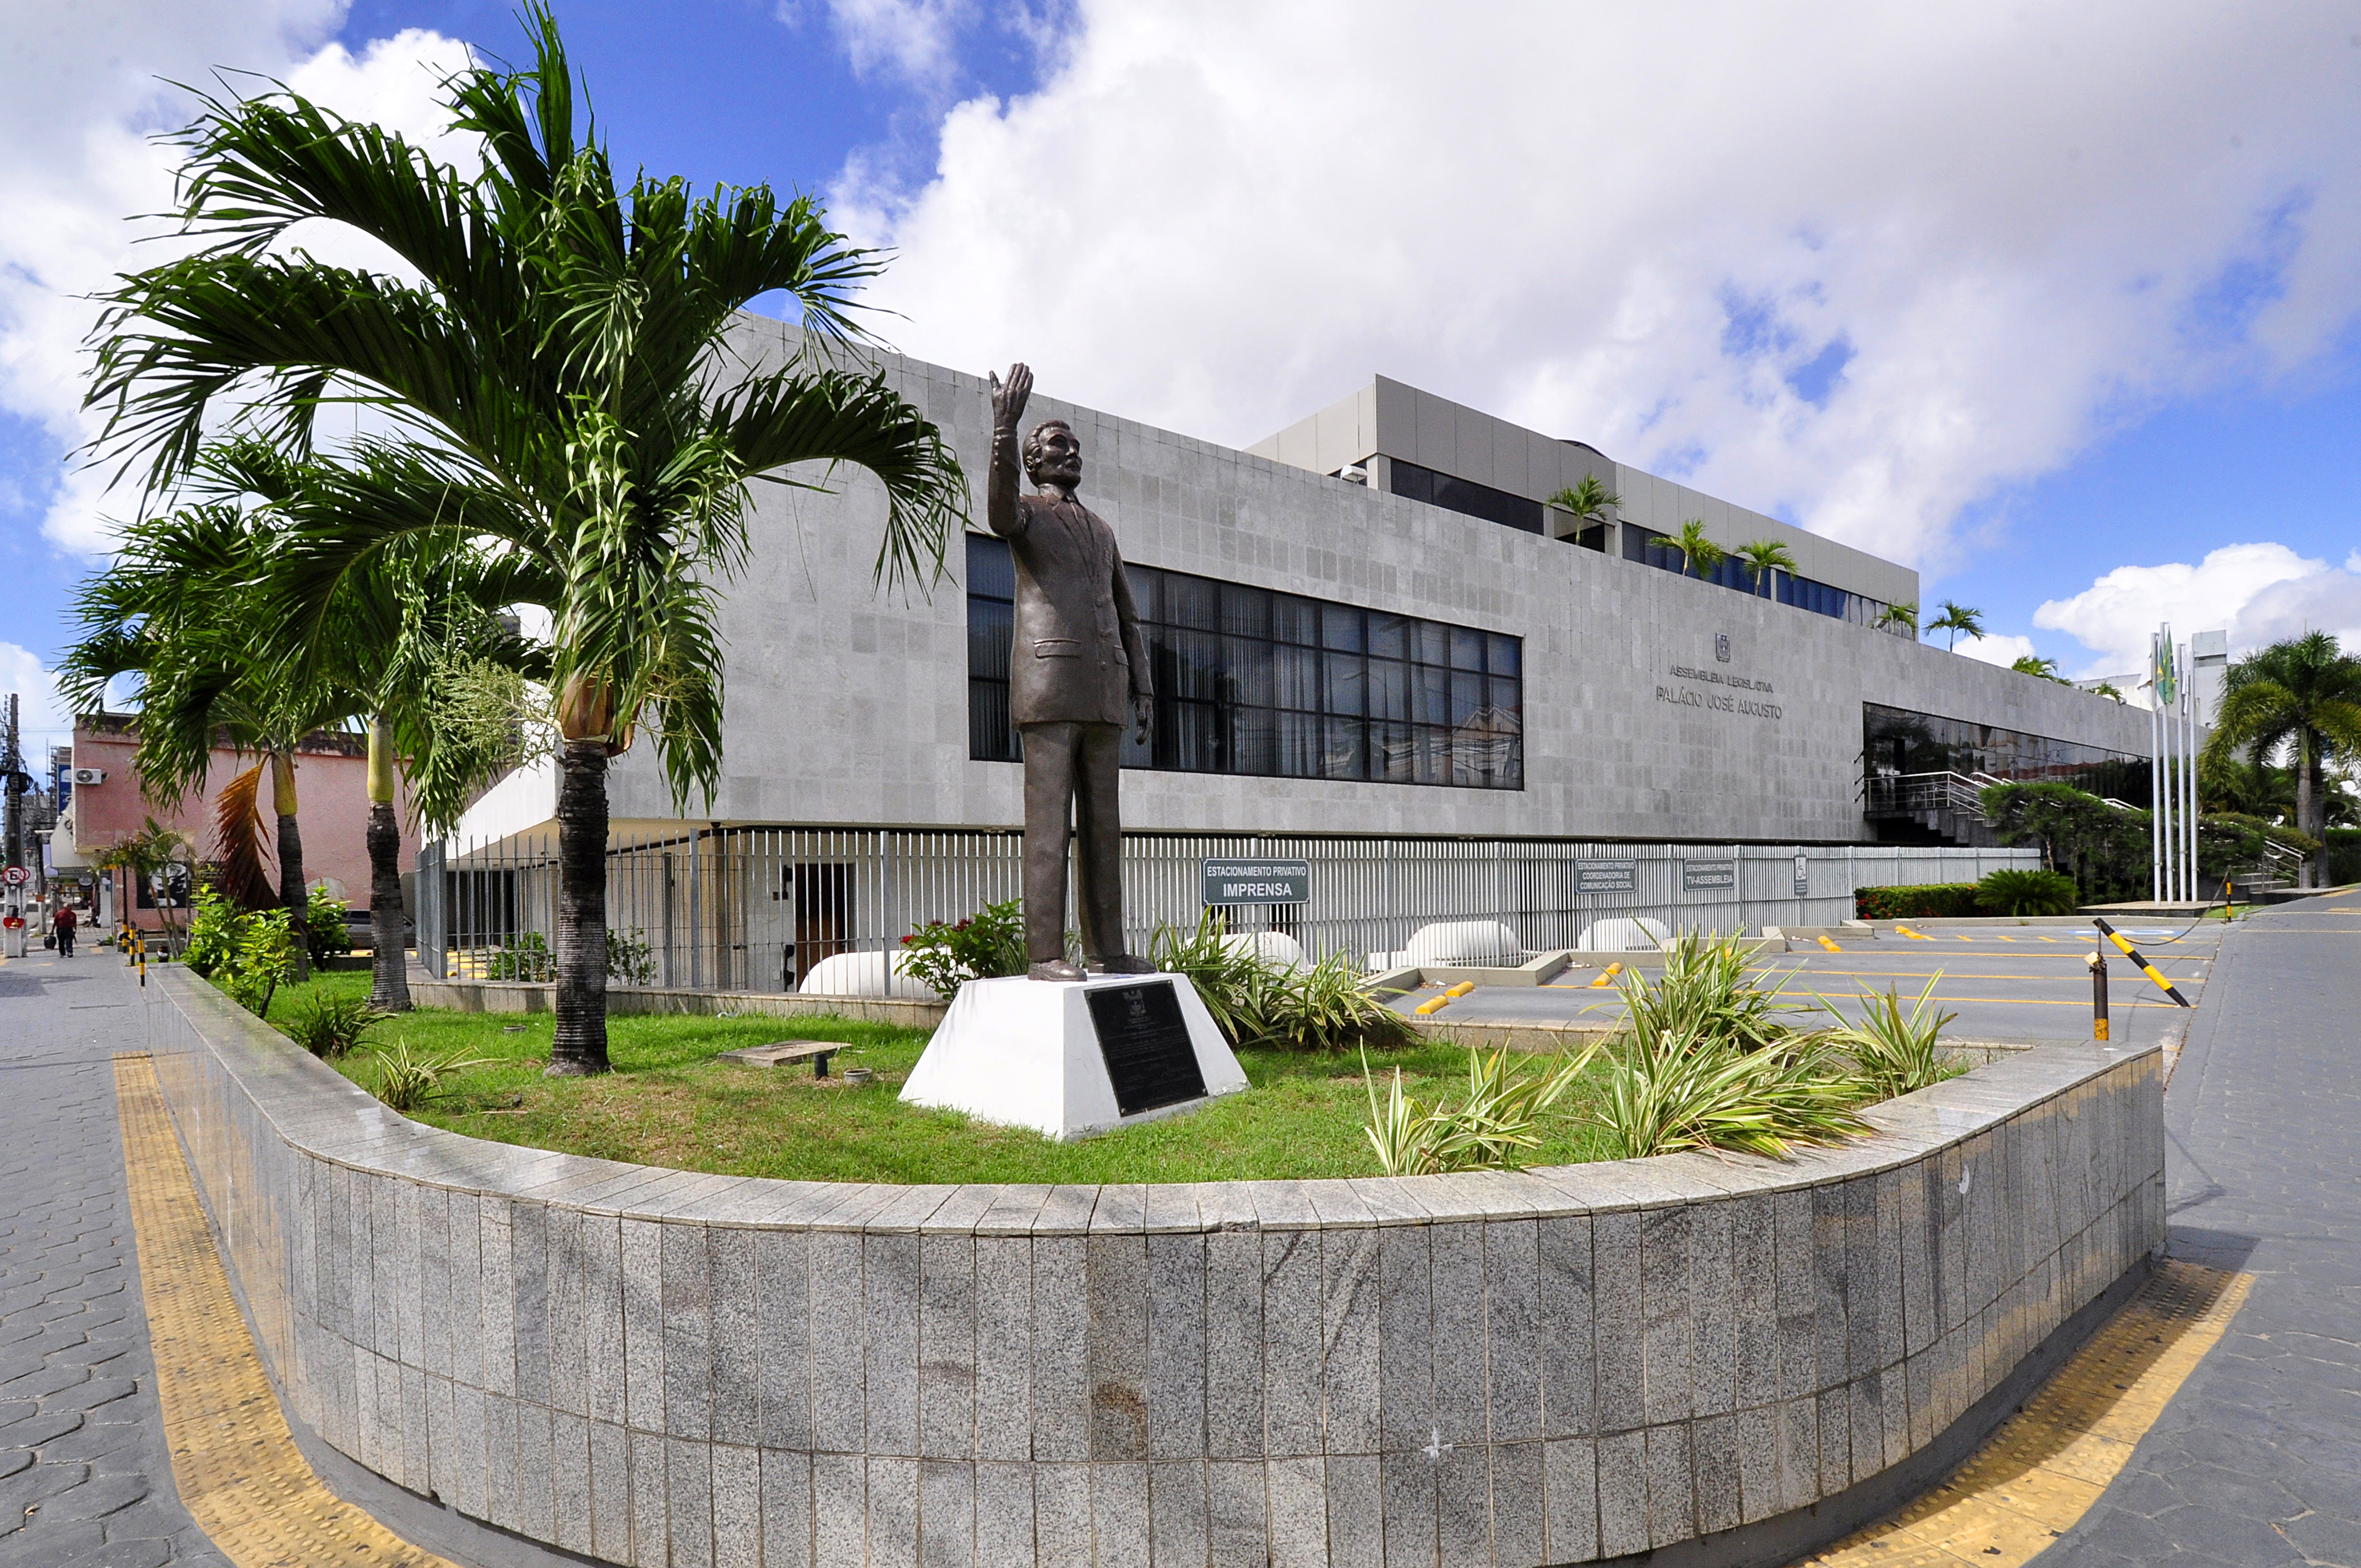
<point x="1466" y="496"/>
<point x="1272" y="685"/>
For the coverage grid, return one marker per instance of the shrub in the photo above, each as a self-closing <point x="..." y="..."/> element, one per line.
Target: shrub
<point x="405" y="1079"/>
<point x="326" y="933"/>
<point x="329" y="1026"/>
<point x="261" y="960"/>
<point x="1323" y="1006"/>
<point x="1702" y="1061"/>
<point x="1667" y="1093"/>
<point x="1231" y="982"/>
<point x="2022" y="892"/>
<point x="1499" y="1120"/>
<point x="524" y="956"/>
<point x="986" y="945"/>
<point x="1925" y="901"/>
<point x="1705" y="994"/>
<point x="1893" y="1052"/>
<point x="215" y="924"/>
<point x="632" y="959"/>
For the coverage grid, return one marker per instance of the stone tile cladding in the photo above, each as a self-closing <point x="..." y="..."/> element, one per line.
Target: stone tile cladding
<point x="656" y="1367"/>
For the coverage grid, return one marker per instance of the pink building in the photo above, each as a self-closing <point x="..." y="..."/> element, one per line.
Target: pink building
<point x="332" y="795"/>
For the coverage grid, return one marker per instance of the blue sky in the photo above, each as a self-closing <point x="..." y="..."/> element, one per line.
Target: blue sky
<point x="2071" y="327"/>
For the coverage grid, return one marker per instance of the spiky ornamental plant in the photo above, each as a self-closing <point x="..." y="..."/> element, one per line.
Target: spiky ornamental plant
<point x="562" y="388"/>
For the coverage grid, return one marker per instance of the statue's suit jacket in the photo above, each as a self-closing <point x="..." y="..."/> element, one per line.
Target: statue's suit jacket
<point x="1077" y="657"/>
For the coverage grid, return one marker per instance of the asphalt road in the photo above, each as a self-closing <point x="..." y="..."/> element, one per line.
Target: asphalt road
<point x="2029" y="983"/>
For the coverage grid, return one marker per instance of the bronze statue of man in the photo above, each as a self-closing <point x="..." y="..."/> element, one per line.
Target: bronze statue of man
<point x="1077" y="674"/>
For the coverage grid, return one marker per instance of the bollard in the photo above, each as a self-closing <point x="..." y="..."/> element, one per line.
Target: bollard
<point x="2098" y="994"/>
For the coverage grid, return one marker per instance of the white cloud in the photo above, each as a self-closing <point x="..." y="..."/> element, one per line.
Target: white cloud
<point x="2258" y="593"/>
<point x="2001" y="648"/>
<point x="1864" y="263"/>
<point x="914" y="41"/>
<point x="42" y="721"/>
<point x="88" y="89"/>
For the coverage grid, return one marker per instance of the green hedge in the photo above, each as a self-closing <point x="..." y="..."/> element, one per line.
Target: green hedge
<point x="1929" y="901"/>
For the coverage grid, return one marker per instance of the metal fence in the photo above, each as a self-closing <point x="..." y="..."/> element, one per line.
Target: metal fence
<point x="756" y="908"/>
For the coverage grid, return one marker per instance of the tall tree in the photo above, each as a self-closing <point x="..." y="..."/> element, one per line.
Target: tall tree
<point x="1959" y="620"/>
<point x="566" y="381"/>
<point x="1765" y="559"/>
<point x="178" y="611"/>
<point x="1591" y="502"/>
<point x="1701" y="554"/>
<point x="2302" y="693"/>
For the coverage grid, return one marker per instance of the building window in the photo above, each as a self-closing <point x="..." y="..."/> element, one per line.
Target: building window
<point x="1898" y="744"/>
<point x="1658" y="550"/>
<point x="1466" y="496"/>
<point x="1278" y="686"/>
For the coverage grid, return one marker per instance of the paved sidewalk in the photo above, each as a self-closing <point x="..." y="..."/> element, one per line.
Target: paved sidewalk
<point x="85" y="1480"/>
<point x="2258" y="1460"/>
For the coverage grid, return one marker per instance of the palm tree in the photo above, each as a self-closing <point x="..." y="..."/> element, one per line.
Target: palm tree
<point x="1589" y="501"/>
<point x="564" y="387"/>
<point x="2035" y="665"/>
<point x="1701" y="554"/>
<point x="187" y="608"/>
<point x="2304" y="693"/>
<point x="1764" y="558"/>
<point x="2107" y="688"/>
<point x="1959" y="620"/>
<point x="173" y="611"/>
<point x="1904" y="614"/>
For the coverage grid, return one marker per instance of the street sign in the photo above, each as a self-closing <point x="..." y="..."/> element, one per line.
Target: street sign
<point x="1257" y="882"/>
<point x="1802" y="876"/>
<point x="1607" y="876"/>
<point x="1710" y="876"/>
<point x="17" y="875"/>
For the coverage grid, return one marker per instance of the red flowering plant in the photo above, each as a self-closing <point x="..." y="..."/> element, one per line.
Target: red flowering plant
<point x="985" y="945"/>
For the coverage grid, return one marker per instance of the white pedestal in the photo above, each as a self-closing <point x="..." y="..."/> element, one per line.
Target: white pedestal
<point x="1032" y="1053"/>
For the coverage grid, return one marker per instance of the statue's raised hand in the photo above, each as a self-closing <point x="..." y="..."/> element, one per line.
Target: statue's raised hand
<point x="1009" y="396"/>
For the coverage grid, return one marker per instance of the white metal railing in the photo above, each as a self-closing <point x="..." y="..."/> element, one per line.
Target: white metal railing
<point x="756" y="908"/>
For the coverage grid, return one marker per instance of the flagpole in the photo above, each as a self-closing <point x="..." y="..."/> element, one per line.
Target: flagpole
<point x="2155" y="776"/>
<point x="2188" y="737"/>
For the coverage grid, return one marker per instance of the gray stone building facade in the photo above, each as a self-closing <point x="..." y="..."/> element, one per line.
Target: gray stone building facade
<point x="1653" y="705"/>
<point x="1375" y="642"/>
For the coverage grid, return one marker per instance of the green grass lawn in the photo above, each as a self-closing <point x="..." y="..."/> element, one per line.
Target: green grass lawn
<point x="668" y="1102"/>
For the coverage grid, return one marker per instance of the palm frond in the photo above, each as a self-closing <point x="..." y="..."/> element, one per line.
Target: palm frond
<point x="238" y="842"/>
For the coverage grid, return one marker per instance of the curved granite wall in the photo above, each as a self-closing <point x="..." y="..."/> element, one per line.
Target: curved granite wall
<point x="656" y="1367"/>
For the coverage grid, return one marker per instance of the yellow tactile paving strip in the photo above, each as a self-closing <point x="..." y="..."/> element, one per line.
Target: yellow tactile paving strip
<point x="2043" y="1469"/>
<point x="236" y="1465"/>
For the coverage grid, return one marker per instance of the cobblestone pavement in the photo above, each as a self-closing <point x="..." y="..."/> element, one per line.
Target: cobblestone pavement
<point x="85" y="1480"/>
<point x="2259" y="1459"/>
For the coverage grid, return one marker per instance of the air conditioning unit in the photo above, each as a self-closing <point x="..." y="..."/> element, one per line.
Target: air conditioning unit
<point x="89" y="775"/>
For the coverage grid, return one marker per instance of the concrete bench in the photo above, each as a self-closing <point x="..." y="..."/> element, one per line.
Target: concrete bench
<point x="782" y="1051"/>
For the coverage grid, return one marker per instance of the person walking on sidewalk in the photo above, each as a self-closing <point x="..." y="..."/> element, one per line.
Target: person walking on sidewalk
<point x="63" y="928"/>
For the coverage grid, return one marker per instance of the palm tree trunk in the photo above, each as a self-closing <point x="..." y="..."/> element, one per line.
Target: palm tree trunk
<point x="389" y="979"/>
<point x="388" y="974"/>
<point x="291" y="861"/>
<point x="2306" y="793"/>
<point x="580" y="1047"/>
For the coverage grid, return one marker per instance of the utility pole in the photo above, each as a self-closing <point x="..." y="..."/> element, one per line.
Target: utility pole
<point x="12" y="765"/>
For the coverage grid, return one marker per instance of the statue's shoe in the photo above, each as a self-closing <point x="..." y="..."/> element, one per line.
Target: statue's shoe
<point x="1055" y="969"/>
<point x="1126" y="963"/>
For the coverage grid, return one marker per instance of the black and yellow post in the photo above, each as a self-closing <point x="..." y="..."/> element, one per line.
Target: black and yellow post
<point x="2147" y="968"/>
<point x="2098" y="962"/>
